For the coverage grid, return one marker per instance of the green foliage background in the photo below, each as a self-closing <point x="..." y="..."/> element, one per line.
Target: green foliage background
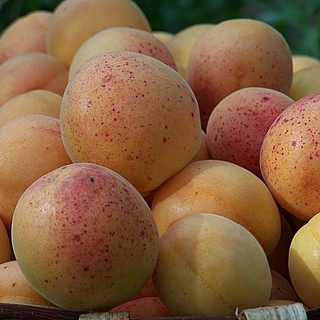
<point x="297" y="20"/>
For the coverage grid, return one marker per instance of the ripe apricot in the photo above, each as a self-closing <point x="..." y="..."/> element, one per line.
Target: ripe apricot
<point x="39" y="101"/>
<point x="234" y="54"/>
<point x="30" y="147"/>
<point x="223" y="188"/>
<point x="74" y="21"/>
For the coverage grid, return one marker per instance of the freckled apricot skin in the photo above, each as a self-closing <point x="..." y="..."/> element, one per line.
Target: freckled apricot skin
<point x="133" y="114"/>
<point x="239" y="122"/>
<point x="121" y="38"/>
<point x="15" y="288"/>
<point x="84" y="237"/>
<point x="290" y="158"/>
<point x="235" y="54"/>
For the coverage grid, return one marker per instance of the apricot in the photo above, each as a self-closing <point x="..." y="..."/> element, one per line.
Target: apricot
<point x="301" y="61"/>
<point x="98" y="243"/>
<point x="181" y="43"/>
<point x="30" y="147"/>
<point x="125" y="39"/>
<point x="290" y="158"/>
<point x="74" y="21"/>
<point x="136" y="116"/>
<point x="5" y="244"/>
<point x="25" y="34"/>
<point x="147" y="307"/>
<point x="282" y="288"/>
<point x="30" y="71"/>
<point x="15" y="288"/>
<point x="223" y="188"/>
<point x="38" y="101"/>
<point x="235" y="54"/>
<point x="304" y="261"/>
<point x="305" y="82"/>
<point x="239" y="122"/>
<point x="204" y="260"/>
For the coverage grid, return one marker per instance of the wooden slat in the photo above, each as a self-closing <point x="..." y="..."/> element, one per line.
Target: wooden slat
<point x="30" y="312"/>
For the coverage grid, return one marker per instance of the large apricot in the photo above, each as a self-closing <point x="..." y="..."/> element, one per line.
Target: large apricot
<point x="290" y="158"/>
<point x="131" y="113"/>
<point x="209" y="265"/>
<point x="30" y="147"/>
<point x="84" y="237"/>
<point x="74" y="21"/>
<point x="235" y="54"/>
<point x="223" y="188"/>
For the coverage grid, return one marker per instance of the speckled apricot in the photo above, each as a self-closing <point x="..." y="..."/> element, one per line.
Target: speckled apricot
<point x="122" y="38"/>
<point x="131" y="113"/>
<point x="235" y="54"/>
<point x="239" y="122"/>
<point x="15" y="288"/>
<point x="290" y="158"/>
<point x="84" y="237"/>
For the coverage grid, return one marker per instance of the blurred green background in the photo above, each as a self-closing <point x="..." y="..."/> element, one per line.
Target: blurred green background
<point x="297" y="20"/>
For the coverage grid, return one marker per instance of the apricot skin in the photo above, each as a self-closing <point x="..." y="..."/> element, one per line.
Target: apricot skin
<point x="136" y="115"/>
<point x="74" y="21"/>
<point x="235" y="54"/>
<point x="290" y="158"/>
<point x="30" y="71"/>
<point x="203" y="257"/>
<point x="84" y="237"/>
<point x="25" y="34"/>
